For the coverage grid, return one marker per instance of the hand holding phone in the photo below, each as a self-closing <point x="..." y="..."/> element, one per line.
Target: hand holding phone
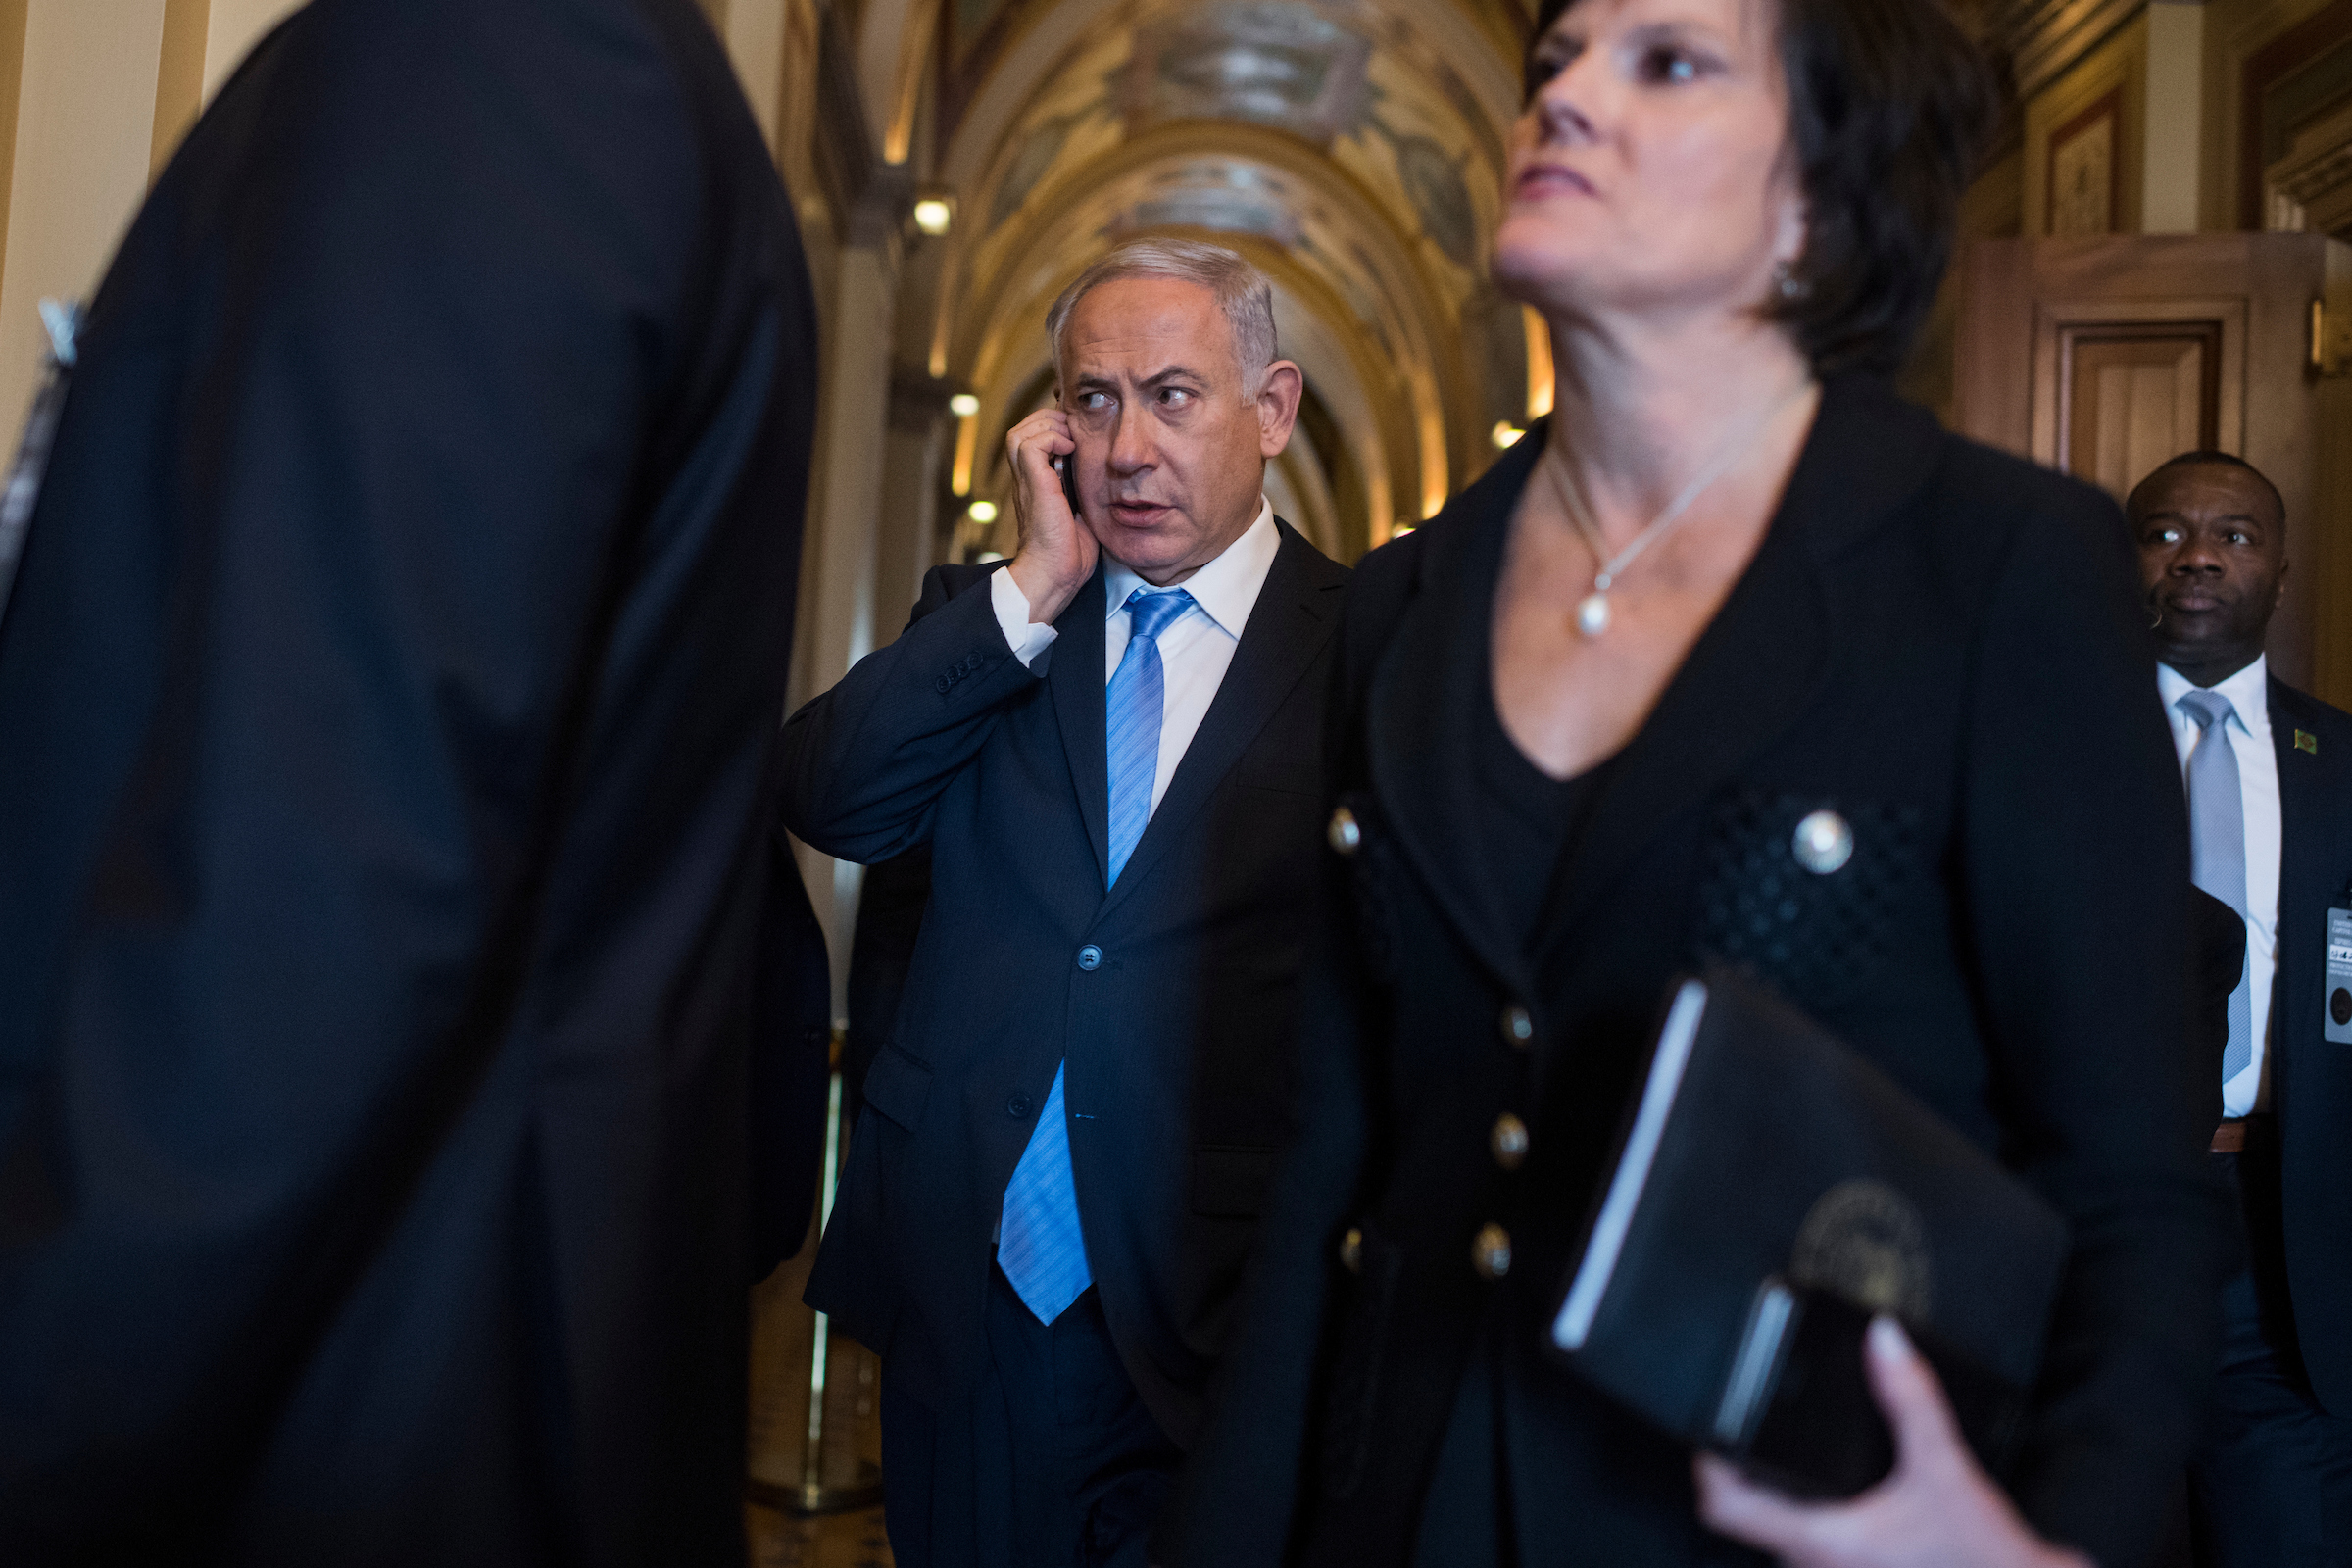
<point x="1058" y="552"/>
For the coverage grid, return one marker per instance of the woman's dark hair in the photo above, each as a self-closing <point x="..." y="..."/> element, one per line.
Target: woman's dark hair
<point x="1890" y="105"/>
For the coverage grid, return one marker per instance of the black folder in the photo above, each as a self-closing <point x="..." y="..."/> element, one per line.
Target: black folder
<point x="1772" y="1191"/>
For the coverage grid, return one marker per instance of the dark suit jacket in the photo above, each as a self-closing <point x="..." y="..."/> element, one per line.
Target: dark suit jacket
<point x="389" y="705"/>
<point x="889" y="918"/>
<point x="2218" y="948"/>
<point x="1940" y="644"/>
<point x="2311" y="1079"/>
<point x="1179" y="1045"/>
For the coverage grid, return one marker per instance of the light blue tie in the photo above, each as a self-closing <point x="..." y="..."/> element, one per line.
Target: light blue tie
<point x="1040" y="1244"/>
<point x="2216" y="819"/>
<point x="1133" y="708"/>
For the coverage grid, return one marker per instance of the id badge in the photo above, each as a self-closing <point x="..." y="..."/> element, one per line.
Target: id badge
<point x="2339" y="973"/>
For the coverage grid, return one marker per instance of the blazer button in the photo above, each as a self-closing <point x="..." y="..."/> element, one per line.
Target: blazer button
<point x="1508" y="1140"/>
<point x="1090" y="957"/>
<point x="1352" y="1250"/>
<point x="1490" y="1252"/>
<point x="1824" y="843"/>
<point x="1346" y="833"/>
<point x="1518" y="1027"/>
<point x="1019" y="1106"/>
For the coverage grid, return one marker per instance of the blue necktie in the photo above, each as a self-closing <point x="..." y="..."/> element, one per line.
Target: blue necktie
<point x="2217" y="820"/>
<point x="1040" y="1244"/>
<point x="1133" y="709"/>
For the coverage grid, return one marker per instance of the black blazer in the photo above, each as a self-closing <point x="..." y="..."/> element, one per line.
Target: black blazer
<point x="1943" y="645"/>
<point x="1179" y="1044"/>
<point x="2311" y="1079"/>
<point x="388" y="708"/>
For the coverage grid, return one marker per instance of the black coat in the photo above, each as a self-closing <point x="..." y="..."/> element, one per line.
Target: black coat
<point x="2311" y="1079"/>
<point x="1946" y="646"/>
<point x="1179" y="1044"/>
<point x="388" y="707"/>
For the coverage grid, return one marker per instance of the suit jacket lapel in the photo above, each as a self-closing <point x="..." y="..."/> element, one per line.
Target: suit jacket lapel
<point x="1076" y="678"/>
<point x="1295" y="613"/>
<point x="1422" y="705"/>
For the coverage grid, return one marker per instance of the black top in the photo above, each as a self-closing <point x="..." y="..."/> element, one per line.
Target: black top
<point x="1931" y="634"/>
<point x="1527" y="818"/>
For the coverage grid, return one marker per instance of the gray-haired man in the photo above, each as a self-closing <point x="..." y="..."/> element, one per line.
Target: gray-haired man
<point x="1111" y="747"/>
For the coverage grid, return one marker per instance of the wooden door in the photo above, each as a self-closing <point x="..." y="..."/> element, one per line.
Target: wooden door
<point x="2103" y="357"/>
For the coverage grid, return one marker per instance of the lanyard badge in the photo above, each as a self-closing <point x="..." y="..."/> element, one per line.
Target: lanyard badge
<point x="2338" y="1025"/>
<point x="24" y="490"/>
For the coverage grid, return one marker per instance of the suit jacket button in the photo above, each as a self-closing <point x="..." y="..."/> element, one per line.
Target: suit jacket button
<point x="1490" y="1252"/>
<point x="1518" y="1027"/>
<point x="1508" y="1140"/>
<point x="1352" y="1250"/>
<point x="1090" y="957"/>
<point x="1825" y="842"/>
<point x="1019" y="1106"/>
<point x="1346" y="833"/>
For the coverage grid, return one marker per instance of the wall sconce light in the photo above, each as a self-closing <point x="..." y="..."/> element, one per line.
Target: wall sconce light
<point x="1506" y="434"/>
<point x="963" y="405"/>
<point x="935" y="213"/>
<point x="984" y="513"/>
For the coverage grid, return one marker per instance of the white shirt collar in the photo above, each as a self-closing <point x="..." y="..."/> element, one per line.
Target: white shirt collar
<point x="1227" y="588"/>
<point x="2248" y="691"/>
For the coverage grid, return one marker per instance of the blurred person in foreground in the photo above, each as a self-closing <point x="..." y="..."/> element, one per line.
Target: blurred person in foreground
<point x="1732" y="584"/>
<point x="389" y="696"/>
<point x="2269" y="776"/>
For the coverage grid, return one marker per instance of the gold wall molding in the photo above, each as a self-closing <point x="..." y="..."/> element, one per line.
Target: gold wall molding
<point x="2044" y="39"/>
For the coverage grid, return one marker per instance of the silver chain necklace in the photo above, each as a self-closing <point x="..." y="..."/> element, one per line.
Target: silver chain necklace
<point x="1592" y="611"/>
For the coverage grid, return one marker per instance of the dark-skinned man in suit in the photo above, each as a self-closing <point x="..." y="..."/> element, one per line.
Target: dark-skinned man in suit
<point x="2269" y="773"/>
<point x="402" y="995"/>
<point x="1111" y="747"/>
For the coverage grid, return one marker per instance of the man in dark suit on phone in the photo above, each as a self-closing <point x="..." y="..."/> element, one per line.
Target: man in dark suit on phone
<point x="1111" y="747"/>
<point x="2269" y="773"/>
<point x="404" y="1035"/>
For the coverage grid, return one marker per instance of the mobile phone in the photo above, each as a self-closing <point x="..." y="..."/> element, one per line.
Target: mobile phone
<point x="1798" y="1413"/>
<point x="1070" y="484"/>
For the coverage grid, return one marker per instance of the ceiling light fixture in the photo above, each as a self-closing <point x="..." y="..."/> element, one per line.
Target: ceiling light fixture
<point x="934" y="214"/>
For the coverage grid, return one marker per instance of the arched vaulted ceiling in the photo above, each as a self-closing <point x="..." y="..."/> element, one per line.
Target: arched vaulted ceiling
<point x="1353" y="148"/>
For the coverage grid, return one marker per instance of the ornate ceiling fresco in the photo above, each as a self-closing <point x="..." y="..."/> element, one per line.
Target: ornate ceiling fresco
<point x="1353" y="148"/>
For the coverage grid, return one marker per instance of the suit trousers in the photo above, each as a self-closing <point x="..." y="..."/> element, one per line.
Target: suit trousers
<point x="2271" y="1484"/>
<point x="1050" y="1461"/>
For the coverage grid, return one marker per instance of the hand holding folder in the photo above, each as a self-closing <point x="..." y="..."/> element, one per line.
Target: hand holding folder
<point x="1774" y="1191"/>
<point x="1936" y="1509"/>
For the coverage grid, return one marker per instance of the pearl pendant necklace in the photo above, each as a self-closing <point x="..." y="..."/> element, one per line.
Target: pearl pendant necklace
<point x="1593" y="614"/>
<point x="1592" y="611"/>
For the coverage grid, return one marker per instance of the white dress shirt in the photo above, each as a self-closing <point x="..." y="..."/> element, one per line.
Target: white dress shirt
<point x="1195" y="651"/>
<point x="2249" y="729"/>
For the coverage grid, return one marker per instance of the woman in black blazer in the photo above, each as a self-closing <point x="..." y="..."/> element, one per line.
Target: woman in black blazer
<point x="1565" y="775"/>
